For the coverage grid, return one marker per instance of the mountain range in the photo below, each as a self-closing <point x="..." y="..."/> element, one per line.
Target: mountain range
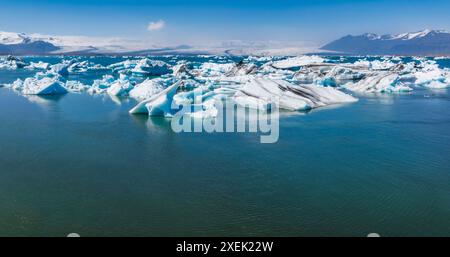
<point x="35" y="44"/>
<point x="425" y="42"/>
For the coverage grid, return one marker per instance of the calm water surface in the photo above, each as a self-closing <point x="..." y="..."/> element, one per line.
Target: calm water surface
<point x="79" y="163"/>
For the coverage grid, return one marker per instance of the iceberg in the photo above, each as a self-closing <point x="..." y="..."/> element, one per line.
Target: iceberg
<point x="181" y="71"/>
<point x="384" y="82"/>
<point x="343" y="74"/>
<point x="11" y="62"/>
<point x="296" y="62"/>
<point x="62" y="68"/>
<point x="101" y="85"/>
<point x="264" y="93"/>
<point x="148" y="88"/>
<point x="120" y="87"/>
<point x="436" y="84"/>
<point x="40" y="86"/>
<point x="147" y="67"/>
<point x="75" y="86"/>
<point x="202" y="101"/>
<point x="169" y="101"/>
<point x="242" y="69"/>
<point x="38" y="66"/>
<point x="159" y="104"/>
<point x="78" y="67"/>
<point x="120" y="66"/>
<point x="209" y="69"/>
<point x="431" y="76"/>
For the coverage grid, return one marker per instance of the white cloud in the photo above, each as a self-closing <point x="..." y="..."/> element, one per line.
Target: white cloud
<point x="156" y="25"/>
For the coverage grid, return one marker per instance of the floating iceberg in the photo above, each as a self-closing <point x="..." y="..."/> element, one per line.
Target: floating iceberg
<point x="78" y="67"/>
<point x="264" y="93"/>
<point x="242" y="69"/>
<point x="376" y="64"/>
<point x="148" y="88"/>
<point x="159" y="104"/>
<point x="296" y="62"/>
<point x="384" y="82"/>
<point x="38" y="66"/>
<point x="431" y="76"/>
<point x="209" y="69"/>
<point x="435" y="84"/>
<point x="181" y="71"/>
<point x="40" y="86"/>
<point x="11" y="62"/>
<point x="101" y="85"/>
<point x="120" y="87"/>
<point x="62" y="68"/>
<point x="75" y="86"/>
<point x="127" y="64"/>
<point x="147" y="67"/>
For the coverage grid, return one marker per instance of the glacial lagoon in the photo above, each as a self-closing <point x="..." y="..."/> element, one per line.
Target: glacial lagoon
<point x="81" y="163"/>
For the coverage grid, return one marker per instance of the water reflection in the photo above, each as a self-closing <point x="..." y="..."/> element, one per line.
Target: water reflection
<point x="154" y="124"/>
<point x="44" y="100"/>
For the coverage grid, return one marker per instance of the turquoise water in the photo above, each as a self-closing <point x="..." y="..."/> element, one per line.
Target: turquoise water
<point x="81" y="163"/>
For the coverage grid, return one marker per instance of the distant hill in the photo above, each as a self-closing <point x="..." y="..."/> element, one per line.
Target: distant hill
<point x="36" y="47"/>
<point x="426" y="42"/>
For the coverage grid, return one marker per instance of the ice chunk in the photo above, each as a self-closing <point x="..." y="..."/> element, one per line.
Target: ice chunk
<point x="383" y="82"/>
<point x="11" y="62"/>
<point x="101" y="85"/>
<point x="306" y="76"/>
<point x="40" y="86"/>
<point x="242" y="69"/>
<point x="148" y="88"/>
<point x="61" y="68"/>
<point x="127" y="64"/>
<point x="147" y="67"/>
<point x="216" y="69"/>
<point x="159" y="104"/>
<point x="435" y="84"/>
<point x="339" y="73"/>
<point x="38" y="65"/>
<point x="120" y="87"/>
<point x="75" y="86"/>
<point x="78" y="67"/>
<point x="181" y="71"/>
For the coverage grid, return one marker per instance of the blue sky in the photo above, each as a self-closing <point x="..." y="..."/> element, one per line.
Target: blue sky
<point x="196" y="21"/>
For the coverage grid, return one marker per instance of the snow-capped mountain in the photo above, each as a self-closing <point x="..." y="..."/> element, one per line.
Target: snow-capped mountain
<point x="425" y="42"/>
<point x="23" y="44"/>
<point x="19" y="43"/>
